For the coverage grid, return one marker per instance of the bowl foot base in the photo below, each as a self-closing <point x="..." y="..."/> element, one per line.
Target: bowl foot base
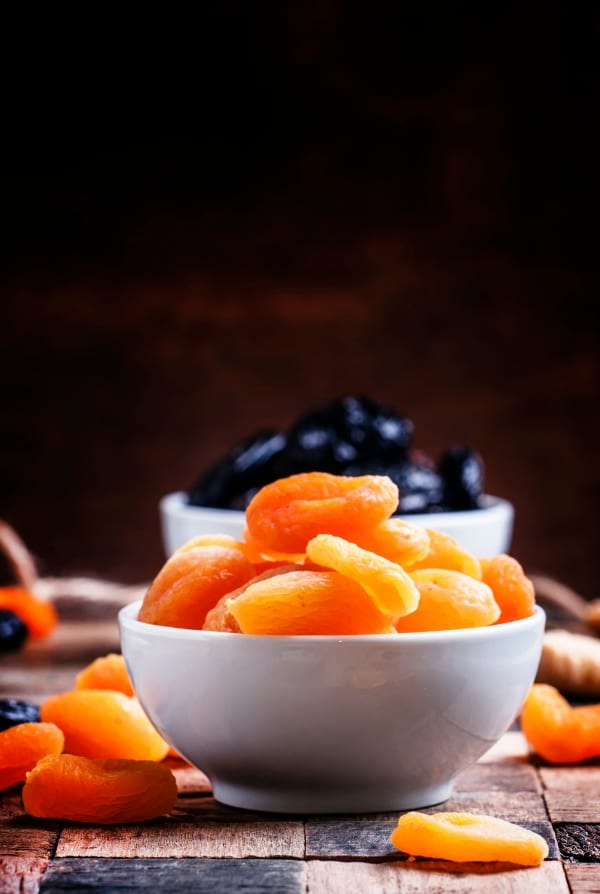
<point x="319" y="800"/>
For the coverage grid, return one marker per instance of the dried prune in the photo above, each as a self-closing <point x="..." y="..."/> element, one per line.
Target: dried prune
<point x="13" y="631"/>
<point x="461" y="471"/>
<point x="247" y="465"/>
<point x="13" y="711"/>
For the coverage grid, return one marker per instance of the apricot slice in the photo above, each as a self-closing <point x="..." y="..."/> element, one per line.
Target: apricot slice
<point x="220" y="618"/>
<point x="467" y="837"/>
<point x="559" y="733"/>
<point x="38" y="615"/>
<point x="446" y="552"/>
<point x="389" y="586"/>
<point x="106" y="672"/>
<point x="191" y="582"/>
<point x="22" y="746"/>
<point x="284" y="515"/>
<point x="396" y="540"/>
<point x="512" y="589"/>
<point x="102" y="723"/>
<point x="307" y="603"/>
<point x="449" y="600"/>
<point x="75" y="788"/>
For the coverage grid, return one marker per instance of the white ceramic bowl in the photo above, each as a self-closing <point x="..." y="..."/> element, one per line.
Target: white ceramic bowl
<point x="328" y="724"/>
<point x="484" y="532"/>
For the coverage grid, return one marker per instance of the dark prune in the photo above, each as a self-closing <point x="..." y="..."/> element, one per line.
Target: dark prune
<point x="419" y="485"/>
<point x="13" y="631"/>
<point x="461" y="471"/>
<point x="13" y="712"/>
<point x="314" y="446"/>
<point x="249" y="464"/>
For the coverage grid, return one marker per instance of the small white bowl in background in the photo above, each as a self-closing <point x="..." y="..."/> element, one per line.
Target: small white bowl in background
<point x="484" y="532"/>
<point x="331" y="724"/>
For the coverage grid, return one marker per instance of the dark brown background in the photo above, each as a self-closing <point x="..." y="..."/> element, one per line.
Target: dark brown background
<point x="209" y="229"/>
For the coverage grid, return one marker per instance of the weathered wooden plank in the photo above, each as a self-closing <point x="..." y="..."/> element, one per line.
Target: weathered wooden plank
<point x="21" y="875"/>
<point x="164" y="876"/>
<point x="579" y="843"/>
<point x="513" y="806"/>
<point x="573" y="807"/>
<point x="572" y="779"/>
<point x="21" y="835"/>
<point x="434" y="878"/>
<point x="190" y="839"/>
<point x="583" y="878"/>
<point x="509" y="776"/>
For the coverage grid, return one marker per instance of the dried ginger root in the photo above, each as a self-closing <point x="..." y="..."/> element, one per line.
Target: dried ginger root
<point x="571" y="663"/>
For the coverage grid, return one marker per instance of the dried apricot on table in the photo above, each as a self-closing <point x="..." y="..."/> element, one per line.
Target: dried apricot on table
<point x="307" y="603"/>
<point x="467" y="837"/>
<point x="102" y="723"/>
<point x="22" y="746"/>
<point x="38" y="615"/>
<point x="446" y="552"/>
<point x="107" y="672"/>
<point x="512" y="589"/>
<point x="558" y="732"/>
<point x="191" y="582"/>
<point x="71" y="787"/>
<point x="449" y="600"/>
<point x="285" y="515"/>
<point x="387" y="583"/>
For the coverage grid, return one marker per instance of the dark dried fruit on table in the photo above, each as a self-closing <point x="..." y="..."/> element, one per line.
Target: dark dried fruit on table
<point x="461" y="470"/>
<point x="249" y="464"/>
<point x="13" y="711"/>
<point x="13" y="631"/>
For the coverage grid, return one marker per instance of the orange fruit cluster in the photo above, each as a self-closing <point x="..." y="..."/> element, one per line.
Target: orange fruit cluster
<point x="94" y="756"/>
<point x="321" y="554"/>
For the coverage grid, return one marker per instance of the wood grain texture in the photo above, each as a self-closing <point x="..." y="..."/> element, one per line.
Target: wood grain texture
<point x="434" y="878"/>
<point x="164" y="876"/>
<point x="583" y="878"/>
<point x="21" y="875"/>
<point x="513" y="806"/>
<point x="507" y="776"/>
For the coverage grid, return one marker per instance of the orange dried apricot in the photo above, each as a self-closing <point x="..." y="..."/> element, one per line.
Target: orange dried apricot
<point x="38" y="615"/>
<point x="449" y="600"/>
<point x="446" y="552"/>
<point x="285" y="515"/>
<point x="75" y="788"/>
<point x="396" y="540"/>
<point x="106" y="672"/>
<point x="558" y="732"/>
<point x="306" y="603"/>
<point x="102" y="723"/>
<point x="387" y="583"/>
<point x="512" y="589"/>
<point x="467" y="837"/>
<point x="220" y="618"/>
<point x="22" y="746"/>
<point x="191" y="582"/>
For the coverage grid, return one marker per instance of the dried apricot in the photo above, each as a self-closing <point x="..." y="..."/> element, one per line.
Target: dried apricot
<point x="306" y="603"/>
<point x="389" y="586"/>
<point x="285" y="515"/>
<point x="191" y="582"/>
<point x="106" y="672"/>
<point x="220" y="618"/>
<point x="467" y="837"/>
<point x="449" y="600"/>
<point x="71" y="787"/>
<point x="512" y="589"/>
<point x="446" y="552"/>
<point x="396" y="540"/>
<point x="102" y="723"/>
<point x="39" y="615"/>
<point x="558" y="732"/>
<point x="22" y="746"/>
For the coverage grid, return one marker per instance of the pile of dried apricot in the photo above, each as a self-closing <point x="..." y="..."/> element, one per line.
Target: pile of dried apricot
<point x="87" y="755"/>
<point x="321" y="554"/>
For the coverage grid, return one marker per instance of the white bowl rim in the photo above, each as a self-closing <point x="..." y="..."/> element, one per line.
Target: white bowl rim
<point x="128" y="618"/>
<point x="492" y="506"/>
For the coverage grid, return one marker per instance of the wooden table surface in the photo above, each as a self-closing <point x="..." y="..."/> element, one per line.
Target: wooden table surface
<point x="203" y="846"/>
